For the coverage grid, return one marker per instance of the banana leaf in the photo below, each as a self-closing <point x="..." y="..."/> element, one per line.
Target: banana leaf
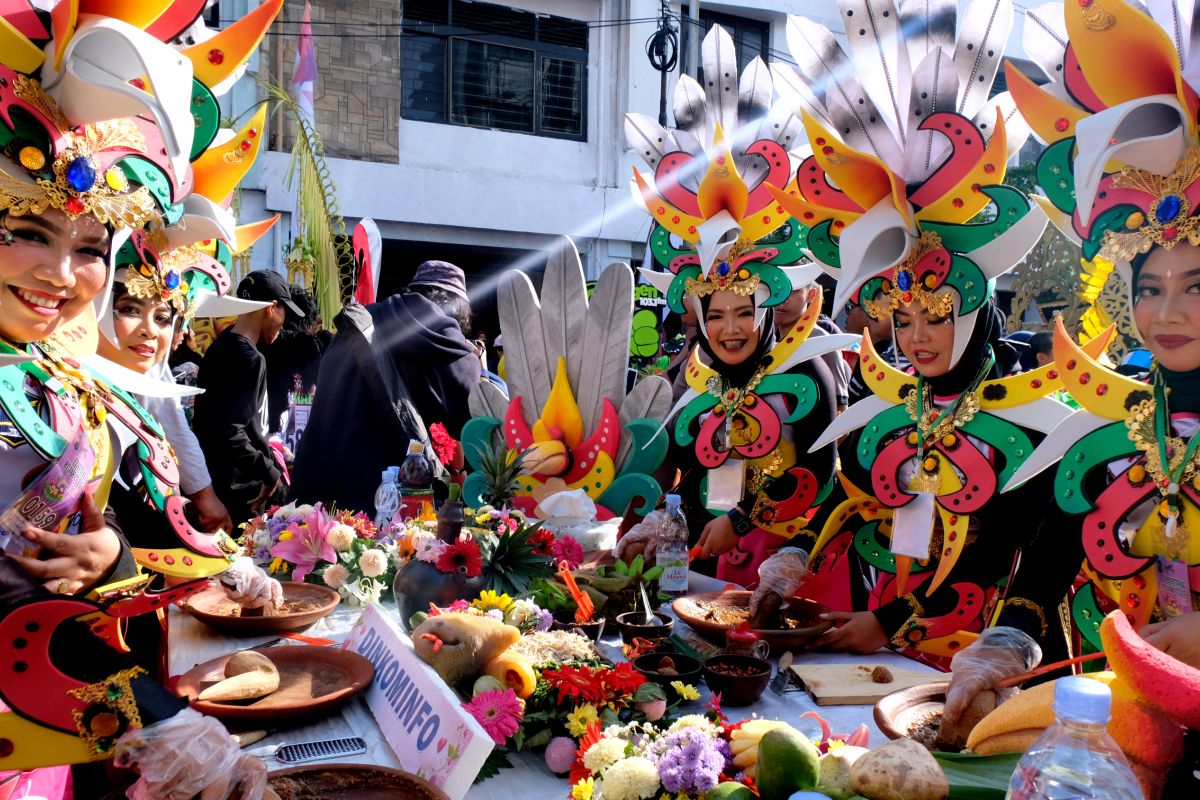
<point x="973" y="777"/>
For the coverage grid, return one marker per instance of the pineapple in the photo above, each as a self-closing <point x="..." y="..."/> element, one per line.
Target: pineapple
<point x="511" y="561"/>
<point x="501" y="468"/>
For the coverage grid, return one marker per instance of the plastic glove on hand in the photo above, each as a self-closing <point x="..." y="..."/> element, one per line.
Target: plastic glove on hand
<point x="250" y="586"/>
<point x="997" y="654"/>
<point x="778" y="577"/>
<point x="645" y="534"/>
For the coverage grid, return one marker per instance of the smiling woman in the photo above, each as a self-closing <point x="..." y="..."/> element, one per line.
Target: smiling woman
<point x="144" y="328"/>
<point x="729" y="327"/>
<point x="1166" y="306"/>
<point x="927" y="341"/>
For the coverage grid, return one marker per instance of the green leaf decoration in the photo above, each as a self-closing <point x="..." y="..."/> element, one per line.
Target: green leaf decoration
<point x="1086" y="613"/>
<point x="1094" y="450"/>
<point x="1010" y="206"/>
<point x="649" y="450"/>
<point x="496" y="761"/>
<point x="675" y="291"/>
<point x="801" y="387"/>
<point x="626" y="488"/>
<point x="478" y="438"/>
<point x="1010" y="440"/>
<point x="775" y="279"/>
<point x="664" y="252"/>
<point x="968" y="280"/>
<point x="822" y="244"/>
<point x="683" y="423"/>
<point x="880" y="427"/>
<point x="1056" y="174"/>
<point x="207" y="116"/>
<point x="875" y="548"/>
<point x="1111" y="220"/>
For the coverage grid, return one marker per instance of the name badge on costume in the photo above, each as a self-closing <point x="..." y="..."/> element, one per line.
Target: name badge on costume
<point x="912" y="526"/>
<point x="51" y="502"/>
<point x="726" y="484"/>
<point x="1174" y="588"/>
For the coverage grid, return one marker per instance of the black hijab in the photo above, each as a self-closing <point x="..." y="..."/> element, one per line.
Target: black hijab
<point x="989" y="330"/>
<point x="739" y="374"/>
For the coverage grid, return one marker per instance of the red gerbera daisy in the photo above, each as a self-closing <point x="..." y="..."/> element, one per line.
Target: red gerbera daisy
<point x="443" y="443"/>
<point x="573" y="681"/>
<point x="542" y="541"/>
<point x="462" y="556"/>
<point x="622" y="679"/>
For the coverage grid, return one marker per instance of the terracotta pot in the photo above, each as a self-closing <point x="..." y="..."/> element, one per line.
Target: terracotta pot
<point x="450" y="521"/>
<point x="419" y="583"/>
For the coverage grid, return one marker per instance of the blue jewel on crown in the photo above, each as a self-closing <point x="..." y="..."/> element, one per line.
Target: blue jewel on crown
<point x="1167" y="209"/>
<point x="723" y="269"/>
<point x="904" y="280"/>
<point x="172" y="280"/>
<point x="81" y="174"/>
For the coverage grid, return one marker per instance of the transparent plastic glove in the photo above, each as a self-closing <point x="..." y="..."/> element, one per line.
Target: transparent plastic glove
<point x="645" y="533"/>
<point x="189" y="755"/>
<point x="997" y="654"/>
<point x="779" y="575"/>
<point x="250" y="585"/>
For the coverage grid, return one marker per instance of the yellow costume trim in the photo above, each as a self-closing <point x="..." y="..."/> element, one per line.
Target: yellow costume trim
<point x="798" y="335"/>
<point x="1017" y="390"/>
<point x="884" y="380"/>
<point x="106" y="702"/>
<point x="183" y="562"/>
<point x="697" y="373"/>
<point x="35" y="746"/>
<point x="1095" y="387"/>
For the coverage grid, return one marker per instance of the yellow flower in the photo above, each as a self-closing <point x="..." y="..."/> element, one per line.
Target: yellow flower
<point x="285" y="535"/>
<point x="685" y="691"/>
<point x="489" y="599"/>
<point x="583" y="790"/>
<point x="579" y="719"/>
<point x="276" y="565"/>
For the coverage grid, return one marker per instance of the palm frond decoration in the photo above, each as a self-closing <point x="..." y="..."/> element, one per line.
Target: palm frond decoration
<point x="322" y="236"/>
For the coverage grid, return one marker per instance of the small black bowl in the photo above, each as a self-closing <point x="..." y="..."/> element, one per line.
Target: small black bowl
<point x="687" y="670"/>
<point x="631" y="626"/>
<point x="592" y="630"/>
<point x="737" y="690"/>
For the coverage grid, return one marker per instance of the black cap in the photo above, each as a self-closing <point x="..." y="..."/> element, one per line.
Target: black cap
<point x="265" y="284"/>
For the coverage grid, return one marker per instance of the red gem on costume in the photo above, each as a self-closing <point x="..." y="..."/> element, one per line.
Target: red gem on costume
<point x="989" y="168"/>
<point x="808" y="215"/>
<point x="691" y="228"/>
<point x="245" y="144"/>
<point x="827" y="150"/>
<point x="73" y="205"/>
<point x="1070" y="364"/>
<point x="1133" y="601"/>
<point x="1102" y="389"/>
<point x="1085" y="378"/>
<point x="957" y="202"/>
<point x="766" y="218"/>
<point x="779" y="209"/>
<point x="1169" y="233"/>
<point x="216" y="57"/>
<point x="1061" y="124"/>
<point x="820" y="141"/>
<point x="1036" y="383"/>
<point x="661" y="211"/>
<point x="252" y="133"/>
<point x="675" y="220"/>
<point x="953" y="519"/>
<point x="1138" y="581"/>
<point x="953" y="535"/>
<point x="6" y="748"/>
<point x="879" y="377"/>
<point x="720" y="160"/>
<point x="907" y="297"/>
<point x="1052" y="374"/>
<point x="187" y="561"/>
<point x="1085" y="3"/>
<point x="154" y="556"/>
<point x="169" y="559"/>
<point x="138" y="83"/>
<point x="838" y="224"/>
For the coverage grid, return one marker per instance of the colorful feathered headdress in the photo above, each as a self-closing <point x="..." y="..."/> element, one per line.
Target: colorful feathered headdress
<point x="907" y="150"/>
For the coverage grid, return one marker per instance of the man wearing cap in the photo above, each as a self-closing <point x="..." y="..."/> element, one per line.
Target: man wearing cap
<point x="395" y="367"/>
<point x="231" y="416"/>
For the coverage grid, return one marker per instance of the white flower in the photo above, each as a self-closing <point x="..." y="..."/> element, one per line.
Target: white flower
<point x="364" y="592"/>
<point x="341" y="537"/>
<point x="373" y="563"/>
<point x="604" y="753"/>
<point x="694" y="721"/>
<point x="633" y="778"/>
<point x="335" y="576"/>
<point x="523" y="611"/>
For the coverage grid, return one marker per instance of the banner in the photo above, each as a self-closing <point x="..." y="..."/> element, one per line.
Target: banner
<point x="422" y="718"/>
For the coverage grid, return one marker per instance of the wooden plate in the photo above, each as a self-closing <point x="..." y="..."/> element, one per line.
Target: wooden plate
<point x="896" y="713"/>
<point x="350" y="782"/>
<point x="693" y="610"/>
<point x="214" y="608"/>
<point x="312" y="682"/>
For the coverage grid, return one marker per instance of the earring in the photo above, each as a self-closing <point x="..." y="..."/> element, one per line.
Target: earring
<point x="6" y="237"/>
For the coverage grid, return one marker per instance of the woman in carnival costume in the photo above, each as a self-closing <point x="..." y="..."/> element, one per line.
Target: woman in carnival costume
<point x="1121" y="174"/>
<point x="105" y="129"/>
<point x="888" y="192"/>
<point x="754" y="404"/>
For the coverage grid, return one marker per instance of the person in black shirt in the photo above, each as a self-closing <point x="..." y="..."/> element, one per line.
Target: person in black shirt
<point x="231" y="415"/>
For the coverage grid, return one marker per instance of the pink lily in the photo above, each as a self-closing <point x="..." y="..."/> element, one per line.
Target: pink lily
<point x="308" y="545"/>
<point x="860" y="738"/>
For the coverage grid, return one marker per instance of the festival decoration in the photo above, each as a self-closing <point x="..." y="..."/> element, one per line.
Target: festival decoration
<point x="568" y="412"/>
<point x="1120" y="174"/>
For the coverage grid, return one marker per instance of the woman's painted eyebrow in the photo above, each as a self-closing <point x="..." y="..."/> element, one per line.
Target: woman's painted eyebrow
<point x="49" y="227"/>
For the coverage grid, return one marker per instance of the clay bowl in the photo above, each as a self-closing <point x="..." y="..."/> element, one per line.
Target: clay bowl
<point x="351" y="782"/>
<point x="702" y="612"/>
<point x="214" y="608"/>
<point x="592" y="630"/>
<point x="897" y="713"/>
<point x="313" y="681"/>
<point x="686" y="667"/>
<point x="737" y="690"/>
<point x="631" y="625"/>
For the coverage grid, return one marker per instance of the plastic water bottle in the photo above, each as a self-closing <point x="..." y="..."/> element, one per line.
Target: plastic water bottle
<point x="416" y="482"/>
<point x="672" y="552"/>
<point x="1075" y="758"/>
<point x="387" y="498"/>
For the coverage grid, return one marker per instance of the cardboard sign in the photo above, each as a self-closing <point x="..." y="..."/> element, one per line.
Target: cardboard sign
<point x="422" y="719"/>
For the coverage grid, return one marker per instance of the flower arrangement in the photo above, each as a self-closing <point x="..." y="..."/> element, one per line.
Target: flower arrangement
<point x="342" y="551"/>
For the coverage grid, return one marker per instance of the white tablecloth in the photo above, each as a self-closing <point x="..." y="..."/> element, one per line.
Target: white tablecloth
<point x="192" y="642"/>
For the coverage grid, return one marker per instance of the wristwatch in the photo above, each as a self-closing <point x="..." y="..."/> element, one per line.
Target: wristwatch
<point x="741" y="523"/>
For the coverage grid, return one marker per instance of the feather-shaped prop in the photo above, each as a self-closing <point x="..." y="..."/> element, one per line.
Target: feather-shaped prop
<point x="719" y="57"/>
<point x="564" y="306"/>
<point x="928" y="25"/>
<point x="527" y="359"/>
<point x="934" y="89"/>
<point x="982" y="36"/>
<point x="1016" y="130"/>
<point x="880" y="58"/>
<point x="754" y="93"/>
<point x="794" y="90"/>
<point x="688" y="108"/>
<point x="487" y="400"/>
<point x="647" y="138"/>
<point x="651" y="397"/>
<point x="599" y="372"/>
<point x="1044" y="38"/>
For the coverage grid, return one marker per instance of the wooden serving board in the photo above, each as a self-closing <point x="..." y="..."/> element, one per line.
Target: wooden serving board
<point x="851" y="684"/>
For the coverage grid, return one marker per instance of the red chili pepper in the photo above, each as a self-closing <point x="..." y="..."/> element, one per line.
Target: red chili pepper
<point x="437" y="642"/>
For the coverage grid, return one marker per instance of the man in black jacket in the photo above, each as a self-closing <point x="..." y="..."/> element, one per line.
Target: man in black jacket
<point x="231" y="415"/>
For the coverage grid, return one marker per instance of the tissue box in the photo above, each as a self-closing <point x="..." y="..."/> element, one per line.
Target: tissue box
<point x="590" y="535"/>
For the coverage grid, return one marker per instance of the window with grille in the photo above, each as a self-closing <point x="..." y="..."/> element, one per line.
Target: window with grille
<point x="489" y="66"/>
<point x="751" y="37"/>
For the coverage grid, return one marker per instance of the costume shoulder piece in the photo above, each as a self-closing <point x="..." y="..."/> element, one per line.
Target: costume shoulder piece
<point x="104" y="117"/>
<point x="1121" y="176"/>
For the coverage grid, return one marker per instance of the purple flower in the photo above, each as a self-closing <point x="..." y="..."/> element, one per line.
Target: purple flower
<point x="689" y="760"/>
<point x="545" y="620"/>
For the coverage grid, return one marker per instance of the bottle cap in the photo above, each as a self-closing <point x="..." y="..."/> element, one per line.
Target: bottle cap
<point x="394" y="473"/>
<point x="672" y="501"/>
<point x="415" y="448"/>
<point x="1082" y="700"/>
<point x="386" y="475"/>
